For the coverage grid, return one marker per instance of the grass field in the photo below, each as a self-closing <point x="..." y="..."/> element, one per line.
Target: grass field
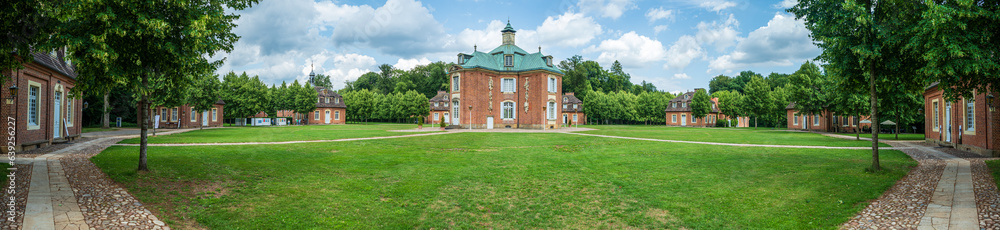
<point x="727" y="135"/>
<point x="503" y="180"/>
<point x="887" y="136"/>
<point x="282" y="133"/>
<point x="994" y="166"/>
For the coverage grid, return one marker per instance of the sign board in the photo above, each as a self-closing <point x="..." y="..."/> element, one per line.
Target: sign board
<point x="118" y="122"/>
<point x="261" y="121"/>
<point x="282" y="121"/>
<point x="156" y="124"/>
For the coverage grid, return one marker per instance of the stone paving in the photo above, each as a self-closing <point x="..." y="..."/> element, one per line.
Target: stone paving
<point x="903" y="205"/>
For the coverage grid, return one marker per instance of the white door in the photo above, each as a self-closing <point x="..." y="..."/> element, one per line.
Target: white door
<point x="454" y="113"/>
<point x="328" y="116"/>
<point x="447" y="118"/>
<point x="947" y="121"/>
<point x="204" y="118"/>
<point x="57" y="105"/>
<point x="565" y="118"/>
<point x="489" y="122"/>
<point x="684" y="120"/>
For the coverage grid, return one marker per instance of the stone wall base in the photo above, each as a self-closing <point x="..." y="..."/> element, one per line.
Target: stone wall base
<point x="969" y="148"/>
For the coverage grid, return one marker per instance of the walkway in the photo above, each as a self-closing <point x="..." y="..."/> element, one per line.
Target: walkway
<point x="290" y="142"/>
<point x="51" y="202"/>
<point x="734" y="144"/>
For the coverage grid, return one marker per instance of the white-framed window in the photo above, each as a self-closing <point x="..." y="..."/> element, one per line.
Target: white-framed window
<point x="564" y="106"/>
<point x="508" y="85"/>
<point x="508" y="60"/>
<point x="713" y="106"/>
<point x="508" y="110"/>
<point x="565" y="99"/>
<point x="795" y="119"/>
<point x="684" y="104"/>
<point x="552" y="110"/>
<point x="319" y="100"/>
<point x="834" y="119"/>
<point x="673" y="104"/>
<point x="454" y="83"/>
<point x="694" y="119"/>
<point x="455" y="108"/>
<point x="574" y="106"/>
<point x="336" y="115"/>
<point x="316" y="115"/>
<point x="435" y="104"/>
<point x="336" y="100"/>
<point x="815" y="119"/>
<point x="69" y="110"/>
<point x="194" y="115"/>
<point x="215" y="113"/>
<point x="937" y="116"/>
<point x="804" y="120"/>
<point x="34" y="112"/>
<point x="574" y="118"/>
<point x="552" y="84"/>
<point x="163" y="114"/>
<point x="673" y="118"/>
<point x="328" y="100"/>
<point x="173" y="114"/>
<point x="970" y="114"/>
<point x="436" y="116"/>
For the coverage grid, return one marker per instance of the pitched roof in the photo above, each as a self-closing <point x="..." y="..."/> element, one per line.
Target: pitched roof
<point x="220" y="102"/>
<point x="55" y="63"/>
<point x="791" y="105"/>
<point x="442" y="96"/>
<point x="494" y="60"/>
<point x="322" y="92"/>
<point x="571" y="99"/>
<point x="686" y="99"/>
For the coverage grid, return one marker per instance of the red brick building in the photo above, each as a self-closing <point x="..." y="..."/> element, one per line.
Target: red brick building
<point x="330" y="108"/>
<point x="438" y="109"/>
<point x="679" y="112"/>
<point x="966" y="124"/>
<point x="572" y="110"/>
<point x="185" y="116"/>
<point x="506" y="87"/>
<point x="44" y="109"/>
<point x="825" y="121"/>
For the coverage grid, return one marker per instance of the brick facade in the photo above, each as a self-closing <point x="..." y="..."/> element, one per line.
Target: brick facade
<point x="825" y="121"/>
<point x="678" y="112"/>
<point x="947" y="122"/>
<point x="184" y="117"/>
<point x="330" y="108"/>
<point x="51" y="78"/>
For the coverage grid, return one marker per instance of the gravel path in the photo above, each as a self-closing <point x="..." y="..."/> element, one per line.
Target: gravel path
<point x="987" y="197"/>
<point x="737" y="145"/>
<point x="903" y="205"/>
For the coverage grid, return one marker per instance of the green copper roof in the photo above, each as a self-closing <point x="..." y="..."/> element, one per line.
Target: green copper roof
<point x="508" y="28"/>
<point x="522" y="60"/>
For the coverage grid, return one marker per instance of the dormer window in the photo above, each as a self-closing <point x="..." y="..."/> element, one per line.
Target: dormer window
<point x="565" y="99"/>
<point x="684" y="105"/>
<point x="328" y="100"/>
<point x="336" y="100"/>
<point x="673" y="105"/>
<point x="508" y="60"/>
<point x="548" y="61"/>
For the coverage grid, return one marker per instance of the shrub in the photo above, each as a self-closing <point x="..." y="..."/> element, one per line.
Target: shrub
<point x="442" y="123"/>
<point x="569" y="123"/>
<point x="721" y="122"/>
<point x="420" y="121"/>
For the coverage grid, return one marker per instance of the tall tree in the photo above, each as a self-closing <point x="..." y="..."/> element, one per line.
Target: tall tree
<point x="306" y="98"/>
<point x="720" y="83"/>
<point x="809" y="90"/>
<point x="26" y="27"/>
<point x="730" y="104"/>
<point x="701" y="104"/>
<point x="204" y="92"/>
<point x="321" y="80"/>
<point x="758" y="99"/>
<point x="863" y="42"/>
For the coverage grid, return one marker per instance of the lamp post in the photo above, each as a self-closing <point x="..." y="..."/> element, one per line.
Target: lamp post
<point x="13" y="93"/>
<point x="470" y="117"/>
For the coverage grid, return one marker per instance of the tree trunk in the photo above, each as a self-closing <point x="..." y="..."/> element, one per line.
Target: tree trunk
<point x="857" y="130"/>
<point x="897" y="125"/>
<point x="143" y="104"/>
<point x="106" y="118"/>
<point x="874" y="116"/>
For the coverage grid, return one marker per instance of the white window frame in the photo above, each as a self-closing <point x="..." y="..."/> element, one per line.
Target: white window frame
<point x="163" y="114"/>
<point x="552" y="110"/>
<point x="174" y="114"/>
<point x="508" y="88"/>
<point x="574" y="118"/>
<point x="694" y="119"/>
<point x="328" y="100"/>
<point x="552" y="84"/>
<point x="508" y="60"/>
<point x="684" y="104"/>
<point x="316" y="115"/>
<point x="970" y="115"/>
<point x="336" y="115"/>
<point x="937" y="116"/>
<point x="815" y="120"/>
<point x="795" y="119"/>
<point x="455" y="80"/>
<point x="673" y="118"/>
<point x="36" y="124"/>
<point x="194" y="115"/>
<point x="507" y="112"/>
<point x="69" y="109"/>
<point x="437" y="116"/>
<point x="215" y="113"/>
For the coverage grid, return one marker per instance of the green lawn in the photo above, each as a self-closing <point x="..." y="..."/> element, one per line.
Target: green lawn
<point x="97" y="129"/>
<point x="276" y="133"/>
<point x="765" y="136"/>
<point x="887" y="136"/>
<point x="994" y="166"/>
<point x="503" y="180"/>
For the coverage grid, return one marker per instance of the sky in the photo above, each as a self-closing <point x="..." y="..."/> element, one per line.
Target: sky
<point x="677" y="45"/>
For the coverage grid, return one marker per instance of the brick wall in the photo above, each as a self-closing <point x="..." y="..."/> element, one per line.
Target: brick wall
<point x="980" y="139"/>
<point x="48" y="82"/>
<point x="686" y="117"/>
<point x="321" y="119"/>
<point x="184" y="117"/>
<point x="475" y="91"/>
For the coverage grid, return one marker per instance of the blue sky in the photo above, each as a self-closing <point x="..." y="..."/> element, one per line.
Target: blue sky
<point x="677" y="45"/>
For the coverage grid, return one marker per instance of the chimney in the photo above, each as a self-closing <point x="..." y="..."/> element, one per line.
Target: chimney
<point x="569" y="94"/>
<point x="441" y="92"/>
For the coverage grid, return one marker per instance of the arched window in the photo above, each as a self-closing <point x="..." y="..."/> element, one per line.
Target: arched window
<point x="508" y="110"/>
<point x="552" y="110"/>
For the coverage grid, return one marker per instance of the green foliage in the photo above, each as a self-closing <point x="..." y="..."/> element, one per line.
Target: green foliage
<point x="321" y="80"/>
<point x="624" y="107"/>
<point x="204" y="92"/>
<point x="701" y="104"/>
<point x="244" y="96"/>
<point x="442" y="123"/>
<point x="364" y="105"/>
<point x="651" y="107"/>
<point x="306" y="97"/>
<point x="420" y="121"/>
<point x="809" y="90"/>
<point x="720" y="83"/>
<point x="958" y="41"/>
<point x="26" y="26"/>
<point x="758" y="102"/>
<point x="731" y="104"/>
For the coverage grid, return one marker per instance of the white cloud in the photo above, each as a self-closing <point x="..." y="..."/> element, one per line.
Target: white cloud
<point x="658" y="29"/>
<point x="782" y="42"/>
<point x="722" y="34"/>
<point x="631" y="49"/>
<point x="569" y="29"/>
<point x="606" y="8"/>
<point x="716" y="5"/>
<point x="785" y="4"/>
<point x="659" y="13"/>
<point x="682" y="52"/>
<point x="408" y="64"/>
<point x="681" y="76"/>
<point x="348" y="67"/>
<point x="402" y="28"/>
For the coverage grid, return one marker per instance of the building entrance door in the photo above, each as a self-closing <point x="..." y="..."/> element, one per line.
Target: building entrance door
<point x="947" y="121"/>
<point x="489" y="122"/>
<point x="328" y="116"/>
<point x="684" y="120"/>
<point x="204" y="118"/>
<point x="455" y="113"/>
<point x="56" y="129"/>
